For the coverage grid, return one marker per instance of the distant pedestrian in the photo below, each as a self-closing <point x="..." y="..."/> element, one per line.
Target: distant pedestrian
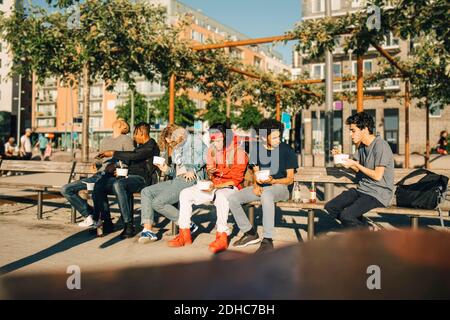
<point x="443" y="143"/>
<point x="42" y="144"/>
<point x="26" y="150"/>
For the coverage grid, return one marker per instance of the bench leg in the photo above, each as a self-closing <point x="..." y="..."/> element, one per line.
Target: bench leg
<point x="39" y="205"/>
<point x="310" y="225"/>
<point x="73" y="215"/>
<point x="414" y="222"/>
<point x="251" y="215"/>
<point x="174" y="228"/>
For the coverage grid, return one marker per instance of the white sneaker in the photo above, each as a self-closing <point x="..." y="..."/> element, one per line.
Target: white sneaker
<point x="87" y="222"/>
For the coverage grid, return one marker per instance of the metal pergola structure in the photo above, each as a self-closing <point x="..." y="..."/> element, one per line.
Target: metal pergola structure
<point x="359" y="82"/>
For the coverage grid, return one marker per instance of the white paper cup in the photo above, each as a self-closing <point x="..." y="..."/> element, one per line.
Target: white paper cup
<point x="204" y="185"/>
<point x="339" y="159"/>
<point x="158" y="161"/>
<point x="122" y="172"/>
<point x="263" y="175"/>
<point x="90" y="186"/>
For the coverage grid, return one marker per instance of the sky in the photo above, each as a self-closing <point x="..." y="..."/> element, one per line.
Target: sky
<point x="254" y="18"/>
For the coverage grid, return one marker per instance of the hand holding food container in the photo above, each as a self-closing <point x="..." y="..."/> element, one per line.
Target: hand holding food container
<point x="205" y="185"/>
<point x="340" y="159"/>
<point x="122" y="170"/>
<point x="263" y="176"/>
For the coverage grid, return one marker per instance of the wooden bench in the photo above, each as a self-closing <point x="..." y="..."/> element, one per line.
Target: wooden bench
<point x="330" y="177"/>
<point x="41" y="177"/>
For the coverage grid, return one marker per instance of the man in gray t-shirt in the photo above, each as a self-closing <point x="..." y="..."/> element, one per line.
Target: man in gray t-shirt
<point x="374" y="164"/>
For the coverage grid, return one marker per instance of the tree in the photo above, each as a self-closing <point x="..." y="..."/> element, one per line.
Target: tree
<point x="110" y="40"/>
<point x="185" y="109"/>
<point x="141" y="109"/>
<point x="249" y="118"/>
<point x="216" y="111"/>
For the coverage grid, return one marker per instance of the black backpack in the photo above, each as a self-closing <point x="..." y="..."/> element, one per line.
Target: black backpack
<point x="427" y="193"/>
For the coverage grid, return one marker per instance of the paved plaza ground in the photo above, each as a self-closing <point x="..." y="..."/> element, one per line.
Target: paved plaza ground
<point x="53" y="244"/>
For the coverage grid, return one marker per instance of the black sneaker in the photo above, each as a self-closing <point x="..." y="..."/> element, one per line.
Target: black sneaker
<point x="128" y="231"/>
<point x="266" y="245"/>
<point x="246" y="240"/>
<point x="108" y="227"/>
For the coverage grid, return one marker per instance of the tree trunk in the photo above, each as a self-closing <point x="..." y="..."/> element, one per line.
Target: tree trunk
<point x="86" y="109"/>
<point x="427" y="156"/>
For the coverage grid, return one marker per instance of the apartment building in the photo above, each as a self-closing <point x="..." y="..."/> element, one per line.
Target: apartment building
<point x="9" y="87"/>
<point x="58" y="110"/>
<point x="389" y="114"/>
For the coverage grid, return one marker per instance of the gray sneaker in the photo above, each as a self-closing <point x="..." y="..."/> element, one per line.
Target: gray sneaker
<point x="246" y="240"/>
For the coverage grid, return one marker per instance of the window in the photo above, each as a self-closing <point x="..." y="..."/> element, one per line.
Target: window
<point x="335" y="5"/>
<point x="337" y="73"/>
<point x="46" y="110"/>
<point x="96" y="92"/>
<point x="318" y="71"/>
<point x="318" y="6"/>
<point x="391" y="128"/>
<point x="357" y="3"/>
<point x="337" y="129"/>
<point x="96" y="107"/>
<point x="318" y="132"/>
<point x="391" y="41"/>
<point x="95" y="122"/>
<point x="236" y="53"/>
<point x="257" y="62"/>
<point x="198" y="36"/>
<point x="435" y="110"/>
<point x="45" y="123"/>
<point x="367" y="67"/>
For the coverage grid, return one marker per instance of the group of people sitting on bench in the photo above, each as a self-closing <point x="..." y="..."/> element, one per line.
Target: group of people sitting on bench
<point x="195" y="174"/>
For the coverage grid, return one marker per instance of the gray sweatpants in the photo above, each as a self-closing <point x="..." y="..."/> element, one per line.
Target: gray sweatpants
<point x="161" y="198"/>
<point x="270" y="195"/>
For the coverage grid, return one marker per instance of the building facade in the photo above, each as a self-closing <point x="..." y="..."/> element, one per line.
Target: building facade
<point x="9" y="87"/>
<point x="59" y="110"/>
<point x="389" y="113"/>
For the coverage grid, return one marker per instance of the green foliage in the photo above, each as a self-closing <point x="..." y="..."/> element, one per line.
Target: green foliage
<point x="216" y="111"/>
<point x="249" y="118"/>
<point x="425" y="22"/>
<point x="140" y="109"/>
<point x="185" y="109"/>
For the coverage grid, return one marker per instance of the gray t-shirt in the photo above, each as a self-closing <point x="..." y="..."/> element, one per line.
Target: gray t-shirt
<point x="120" y="143"/>
<point x="377" y="154"/>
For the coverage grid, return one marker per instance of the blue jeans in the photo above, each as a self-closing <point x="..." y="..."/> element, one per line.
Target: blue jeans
<point x="122" y="188"/>
<point x="70" y="192"/>
<point x="270" y="195"/>
<point x="161" y="198"/>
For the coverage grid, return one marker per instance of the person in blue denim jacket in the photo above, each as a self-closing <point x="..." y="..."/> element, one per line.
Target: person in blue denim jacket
<point x="188" y="166"/>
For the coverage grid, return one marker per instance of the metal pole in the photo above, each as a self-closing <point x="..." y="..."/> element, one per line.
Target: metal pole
<point x="85" y="127"/>
<point x="72" y="143"/>
<point x="172" y="100"/>
<point x="407" y="143"/>
<point x="359" y="84"/>
<point x="19" y="107"/>
<point x="228" y="111"/>
<point x="278" y="102"/>
<point x="132" y="111"/>
<point x="427" y="156"/>
<point x="328" y="97"/>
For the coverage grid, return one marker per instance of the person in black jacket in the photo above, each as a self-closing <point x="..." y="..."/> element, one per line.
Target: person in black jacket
<point x="140" y="168"/>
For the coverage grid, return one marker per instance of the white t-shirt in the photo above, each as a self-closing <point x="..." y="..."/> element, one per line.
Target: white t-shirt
<point x="26" y="143"/>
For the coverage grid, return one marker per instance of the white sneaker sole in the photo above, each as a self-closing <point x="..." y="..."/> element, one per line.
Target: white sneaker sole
<point x="256" y="241"/>
<point x="145" y="240"/>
